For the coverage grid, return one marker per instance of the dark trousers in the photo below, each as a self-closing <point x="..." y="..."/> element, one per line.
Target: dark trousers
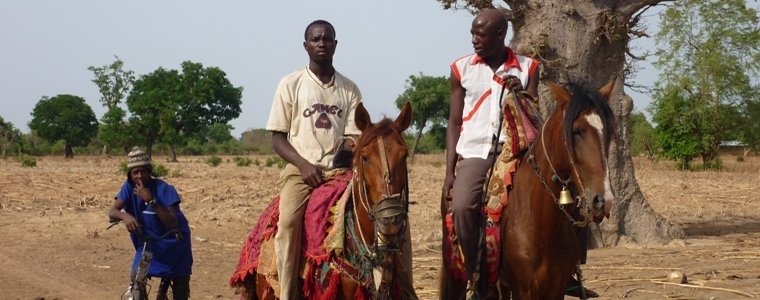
<point x="181" y="287"/>
<point x="467" y="210"/>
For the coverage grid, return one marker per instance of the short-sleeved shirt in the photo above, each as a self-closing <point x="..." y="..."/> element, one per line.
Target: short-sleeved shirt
<point x="315" y="115"/>
<point x="171" y="258"/>
<point x="483" y="86"/>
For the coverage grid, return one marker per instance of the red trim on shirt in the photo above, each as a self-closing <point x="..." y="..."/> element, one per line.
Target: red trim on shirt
<point x="455" y="70"/>
<point x="511" y="60"/>
<point x="477" y="106"/>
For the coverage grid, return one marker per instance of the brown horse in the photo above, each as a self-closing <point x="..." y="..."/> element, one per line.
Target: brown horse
<point x="376" y="212"/>
<point x="539" y="246"/>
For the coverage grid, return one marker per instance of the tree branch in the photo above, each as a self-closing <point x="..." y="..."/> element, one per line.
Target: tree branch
<point x="627" y="8"/>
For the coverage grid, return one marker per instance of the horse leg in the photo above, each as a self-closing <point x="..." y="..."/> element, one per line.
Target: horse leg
<point x="347" y="288"/>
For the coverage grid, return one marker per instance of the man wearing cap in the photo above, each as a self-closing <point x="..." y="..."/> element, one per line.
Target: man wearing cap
<point x="151" y="206"/>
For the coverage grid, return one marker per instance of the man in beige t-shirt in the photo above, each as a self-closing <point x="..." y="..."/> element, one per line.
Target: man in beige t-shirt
<point x="313" y="108"/>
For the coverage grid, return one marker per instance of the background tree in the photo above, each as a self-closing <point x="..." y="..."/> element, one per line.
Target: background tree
<point x="114" y="84"/>
<point x="153" y="104"/>
<point x="587" y="41"/>
<point x="749" y="131"/>
<point x="429" y="97"/>
<point x="10" y="138"/>
<point x="206" y="97"/>
<point x="67" y="118"/>
<point x="707" y="62"/>
<point x="642" y="136"/>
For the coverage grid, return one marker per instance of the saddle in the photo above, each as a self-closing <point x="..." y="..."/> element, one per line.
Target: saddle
<point x="498" y="187"/>
<point x="323" y="212"/>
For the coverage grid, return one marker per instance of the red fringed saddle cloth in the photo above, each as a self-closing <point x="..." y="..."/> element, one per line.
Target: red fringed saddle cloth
<point x="498" y="196"/>
<point x="322" y="209"/>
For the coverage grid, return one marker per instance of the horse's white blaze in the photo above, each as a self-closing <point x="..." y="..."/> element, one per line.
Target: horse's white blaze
<point x="595" y="121"/>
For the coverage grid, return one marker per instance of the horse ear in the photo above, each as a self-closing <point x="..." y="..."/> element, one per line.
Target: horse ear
<point x="606" y="90"/>
<point x="361" y="117"/>
<point x="404" y="119"/>
<point x="560" y="94"/>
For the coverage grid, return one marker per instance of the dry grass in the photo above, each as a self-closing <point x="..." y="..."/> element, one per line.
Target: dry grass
<point x="53" y="218"/>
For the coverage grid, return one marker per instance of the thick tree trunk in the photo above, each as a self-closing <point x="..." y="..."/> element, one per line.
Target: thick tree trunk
<point x="585" y="42"/>
<point x="67" y="151"/>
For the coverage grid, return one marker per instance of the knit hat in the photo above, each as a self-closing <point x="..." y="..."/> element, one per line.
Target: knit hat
<point x="138" y="158"/>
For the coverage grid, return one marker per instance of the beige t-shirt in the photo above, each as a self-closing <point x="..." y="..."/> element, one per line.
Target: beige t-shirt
<point x="314" y="114"/>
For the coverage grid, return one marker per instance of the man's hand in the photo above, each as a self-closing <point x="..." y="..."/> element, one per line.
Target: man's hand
<point x="143" y="192"/>
<point x="310" y="174"/>
<point x="448" y="183"/>
<point x="513" y="83"/>
<point x="130" y="223"/>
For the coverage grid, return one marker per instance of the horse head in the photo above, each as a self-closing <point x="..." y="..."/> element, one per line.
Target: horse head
<point x="381" y="184"/>
<point x="587" y="127"/>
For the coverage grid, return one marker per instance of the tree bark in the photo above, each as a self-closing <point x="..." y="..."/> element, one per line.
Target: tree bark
<point x="67" y="151"/>
<point x="416" y="143"/>
<point x="585" y="42"/>
<point x="105" y="150"/>
<point x="173" y="153"/>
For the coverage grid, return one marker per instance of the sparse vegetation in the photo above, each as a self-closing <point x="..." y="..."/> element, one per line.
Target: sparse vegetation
<point x="243" y="161"/>
<point x="213" y="161"/>
<point x="28" y="161"/>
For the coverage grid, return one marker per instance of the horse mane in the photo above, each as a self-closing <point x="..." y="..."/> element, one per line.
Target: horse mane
<point x="584" y="99"/>
<point x="384" y="127"/>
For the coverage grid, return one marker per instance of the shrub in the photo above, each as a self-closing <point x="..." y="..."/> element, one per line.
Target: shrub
<point x="28" y="161"/>
<point x="123" y="167"/>
<point x="213" y="161"/>
<point x="740" y="158"/>
<point x="160" y="170"/>
<point x="176" y="173"/>
<point x="437" y="164"/>
<point x="276" y="160"/>
<point x="257" y="162"/>
<point x="243" y="161"/>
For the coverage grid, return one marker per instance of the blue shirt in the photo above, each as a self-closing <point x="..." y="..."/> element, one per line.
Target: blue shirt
<point x="170" y="257"/>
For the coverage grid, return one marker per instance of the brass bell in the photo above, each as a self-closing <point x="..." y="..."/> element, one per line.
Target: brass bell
<point x="564" y="197"/>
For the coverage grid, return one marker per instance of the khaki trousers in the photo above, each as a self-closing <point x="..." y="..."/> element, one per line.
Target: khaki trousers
<point x="287" y="242"/>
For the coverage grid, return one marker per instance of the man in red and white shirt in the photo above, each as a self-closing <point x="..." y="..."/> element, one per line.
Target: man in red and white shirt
<point x="476" y="85"/>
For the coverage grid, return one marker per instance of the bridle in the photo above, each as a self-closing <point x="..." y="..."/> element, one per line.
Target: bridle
<point x="391" y="209"/>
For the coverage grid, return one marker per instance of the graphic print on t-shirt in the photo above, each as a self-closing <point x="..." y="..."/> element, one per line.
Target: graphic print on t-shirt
<point x="323" y="121"/>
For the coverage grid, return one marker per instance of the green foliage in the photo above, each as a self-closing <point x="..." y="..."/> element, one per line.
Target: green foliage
<point x="429" y="98"/>
<point x="243" y="161"/>
<point x="642" y="136"/>
<point x="740" y="158"/>
<point x="10" y="139"/>
<point x="749" y="131"/>
<point x="219" y="133"/>
<point x="160" y="170"/>
<point x="115" y="132"/>
<point x="276" y="160"/>
<point x="113" y="82"/>
<point x="168" y="106"/>
<point x="64" y="117"/>
<point x="213" y="161"/>
<point x="256" y="162"/>
<point x="28" y="161"/>
<point x="176" y="173"/>
<point x="702" y="96"/>
<point x="123" y="170"/>
<point x="437" y="164"/>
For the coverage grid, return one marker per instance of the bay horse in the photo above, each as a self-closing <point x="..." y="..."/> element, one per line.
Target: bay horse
<point x="539" y="247"/>
<point x="376" y="213"/>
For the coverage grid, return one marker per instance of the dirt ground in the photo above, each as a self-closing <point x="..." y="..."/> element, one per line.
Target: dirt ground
<point x="54" y="243"/>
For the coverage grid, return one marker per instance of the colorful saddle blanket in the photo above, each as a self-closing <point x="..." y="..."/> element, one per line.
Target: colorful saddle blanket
<point x="498" y="198"/>
<point x="319" y="218"/>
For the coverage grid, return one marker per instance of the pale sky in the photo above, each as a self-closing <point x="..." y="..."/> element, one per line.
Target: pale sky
<point x="46" y="47"/>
